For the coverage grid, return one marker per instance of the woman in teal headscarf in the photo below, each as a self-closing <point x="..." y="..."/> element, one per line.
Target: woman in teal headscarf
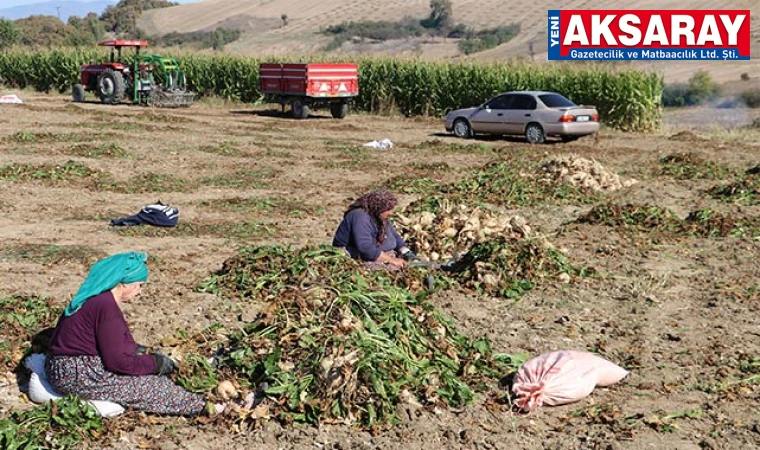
<point x="92" y="352"/>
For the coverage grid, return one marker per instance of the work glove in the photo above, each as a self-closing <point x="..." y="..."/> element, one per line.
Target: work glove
<point x="410" y="256"/>
<point x="164" y="364"/>
<point x="141" y="349"/>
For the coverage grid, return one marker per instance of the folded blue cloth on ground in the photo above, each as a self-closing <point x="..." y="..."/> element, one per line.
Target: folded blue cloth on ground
<point x="158" y="214"/>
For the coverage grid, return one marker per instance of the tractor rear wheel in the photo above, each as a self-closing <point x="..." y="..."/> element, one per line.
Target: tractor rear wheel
<point x="77" y="93"/>
<point x="339" y="110"/>
<point x="110" y="86"/>
<point x="299" y="109"/>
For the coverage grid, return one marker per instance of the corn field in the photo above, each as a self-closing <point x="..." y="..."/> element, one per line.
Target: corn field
<point x="629" y="100"/>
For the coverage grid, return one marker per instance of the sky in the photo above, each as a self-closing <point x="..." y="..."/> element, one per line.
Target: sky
<point x="12" y="3"/>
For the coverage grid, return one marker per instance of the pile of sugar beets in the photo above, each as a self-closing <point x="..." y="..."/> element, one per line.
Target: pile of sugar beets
<point x="335" y="343"/>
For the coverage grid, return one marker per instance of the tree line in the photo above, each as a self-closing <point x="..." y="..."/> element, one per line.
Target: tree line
<point x="120" y="21"/>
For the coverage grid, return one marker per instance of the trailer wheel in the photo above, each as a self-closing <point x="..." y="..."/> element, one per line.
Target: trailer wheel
<point x="77" y="93"/>
<point x="110" y="86"/>
<point x="299" y="109"/>
<point x="339" y="110"/>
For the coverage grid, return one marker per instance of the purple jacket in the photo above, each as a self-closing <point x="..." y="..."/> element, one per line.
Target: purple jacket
<point x="99" y="329"/>
<point x="358" y="234"/>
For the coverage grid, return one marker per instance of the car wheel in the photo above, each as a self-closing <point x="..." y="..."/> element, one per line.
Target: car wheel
<point x="462" y="128"/>
<point x="534" y="133"/>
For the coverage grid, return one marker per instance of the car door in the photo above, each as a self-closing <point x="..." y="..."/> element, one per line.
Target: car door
<point x="520" y="112"/>
<point x="489" y="118"/>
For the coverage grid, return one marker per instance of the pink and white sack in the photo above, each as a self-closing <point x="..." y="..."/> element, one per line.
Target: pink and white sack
<point x="562" y="377"/>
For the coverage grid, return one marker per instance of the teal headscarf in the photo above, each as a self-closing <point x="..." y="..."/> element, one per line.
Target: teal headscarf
<point x="124" y="268"/>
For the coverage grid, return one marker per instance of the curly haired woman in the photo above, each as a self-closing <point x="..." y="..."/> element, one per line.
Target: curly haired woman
<point x="368" y="235"/>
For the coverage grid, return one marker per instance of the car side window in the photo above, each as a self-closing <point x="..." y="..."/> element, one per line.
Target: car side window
<point x="523" y="102"/>
<point x="500" y="102"/>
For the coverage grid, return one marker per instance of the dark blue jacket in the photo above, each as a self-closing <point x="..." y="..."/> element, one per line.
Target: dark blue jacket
<point x="358" y="234"/>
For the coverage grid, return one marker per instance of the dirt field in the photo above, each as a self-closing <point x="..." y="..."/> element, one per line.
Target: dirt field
<point x="680" y="312"/>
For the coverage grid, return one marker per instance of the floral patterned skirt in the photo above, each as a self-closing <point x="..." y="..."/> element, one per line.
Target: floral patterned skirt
<point x="86" y="377"/>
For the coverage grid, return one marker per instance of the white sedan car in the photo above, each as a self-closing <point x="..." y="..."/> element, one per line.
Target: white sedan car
<point x="533" y="114"/>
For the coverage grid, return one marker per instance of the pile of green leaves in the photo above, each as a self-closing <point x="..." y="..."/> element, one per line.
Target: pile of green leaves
<point x="22" y="318"/>
<point x="512" y="185"/>
<point x="689" y="166"/>
<point x="508" y="268"/>
<point x="57" y="425"/>
<point x="411" y="184"/>
<point x="706" y="222"/>
<point x="745" y="190"/>
<point x="337" y="343"/>
<point x="632" y="217"/>
<point x="703" y="222"/>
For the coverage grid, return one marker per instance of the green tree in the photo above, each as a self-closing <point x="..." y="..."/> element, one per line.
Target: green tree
<point x="217" y="40"/>
<point x="122" y="18"/>
<point x="441" y="16"/>
<point x="9" y="33"/>
<point x="43" y="31"/>
<point x="78" y="35"/>
<point x="702" y="87"/>
<point x="96" y="28"/>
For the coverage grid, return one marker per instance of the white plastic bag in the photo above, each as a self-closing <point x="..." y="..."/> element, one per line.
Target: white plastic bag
<point x="562" y="377"/>
<point x="10" y="99"/>
<point x="41" y="391"/>
<point x="383" y="144"/>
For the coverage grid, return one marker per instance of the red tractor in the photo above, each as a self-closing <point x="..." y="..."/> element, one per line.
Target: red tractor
<point x="145" y="79"/>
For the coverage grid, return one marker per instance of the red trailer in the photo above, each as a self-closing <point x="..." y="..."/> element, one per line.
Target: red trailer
<point x="306" y="85"/>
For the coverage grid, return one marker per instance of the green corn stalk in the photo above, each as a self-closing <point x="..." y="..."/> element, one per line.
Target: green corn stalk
<point x="629" y="100"/>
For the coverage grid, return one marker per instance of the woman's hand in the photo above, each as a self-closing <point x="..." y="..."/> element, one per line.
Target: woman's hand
<point x="164" y="364"/>
<point x="390" y="258"/>
<point x="397" y="262"/>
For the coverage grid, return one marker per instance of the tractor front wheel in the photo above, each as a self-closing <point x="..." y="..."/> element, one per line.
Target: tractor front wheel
<point x="77" y="93"/>
<point x="110" y="86"/>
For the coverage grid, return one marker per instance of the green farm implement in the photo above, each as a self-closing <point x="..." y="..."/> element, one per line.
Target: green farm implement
<point x="146" y="78"/>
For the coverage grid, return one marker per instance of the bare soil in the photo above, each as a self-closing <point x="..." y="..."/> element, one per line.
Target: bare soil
<point x="680" y="314"/>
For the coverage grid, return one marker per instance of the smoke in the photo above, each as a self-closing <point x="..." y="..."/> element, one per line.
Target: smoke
<point x="731" y="112"/>
<point x="723" y="112"/>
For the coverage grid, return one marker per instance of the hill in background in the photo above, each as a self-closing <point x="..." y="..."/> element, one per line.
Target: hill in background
<point x="288" y="27"/>
<point x="61" y="9"/>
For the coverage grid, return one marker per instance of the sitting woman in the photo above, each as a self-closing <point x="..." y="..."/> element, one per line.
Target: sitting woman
<point x="367" y="233"/>
<point x="93" y="355"/>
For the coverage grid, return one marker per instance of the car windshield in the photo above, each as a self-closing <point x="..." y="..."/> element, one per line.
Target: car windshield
<point x="555" y="101"/>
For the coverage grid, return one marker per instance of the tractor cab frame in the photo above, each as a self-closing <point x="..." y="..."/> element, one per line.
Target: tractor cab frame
<point x="142" y="77"/>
